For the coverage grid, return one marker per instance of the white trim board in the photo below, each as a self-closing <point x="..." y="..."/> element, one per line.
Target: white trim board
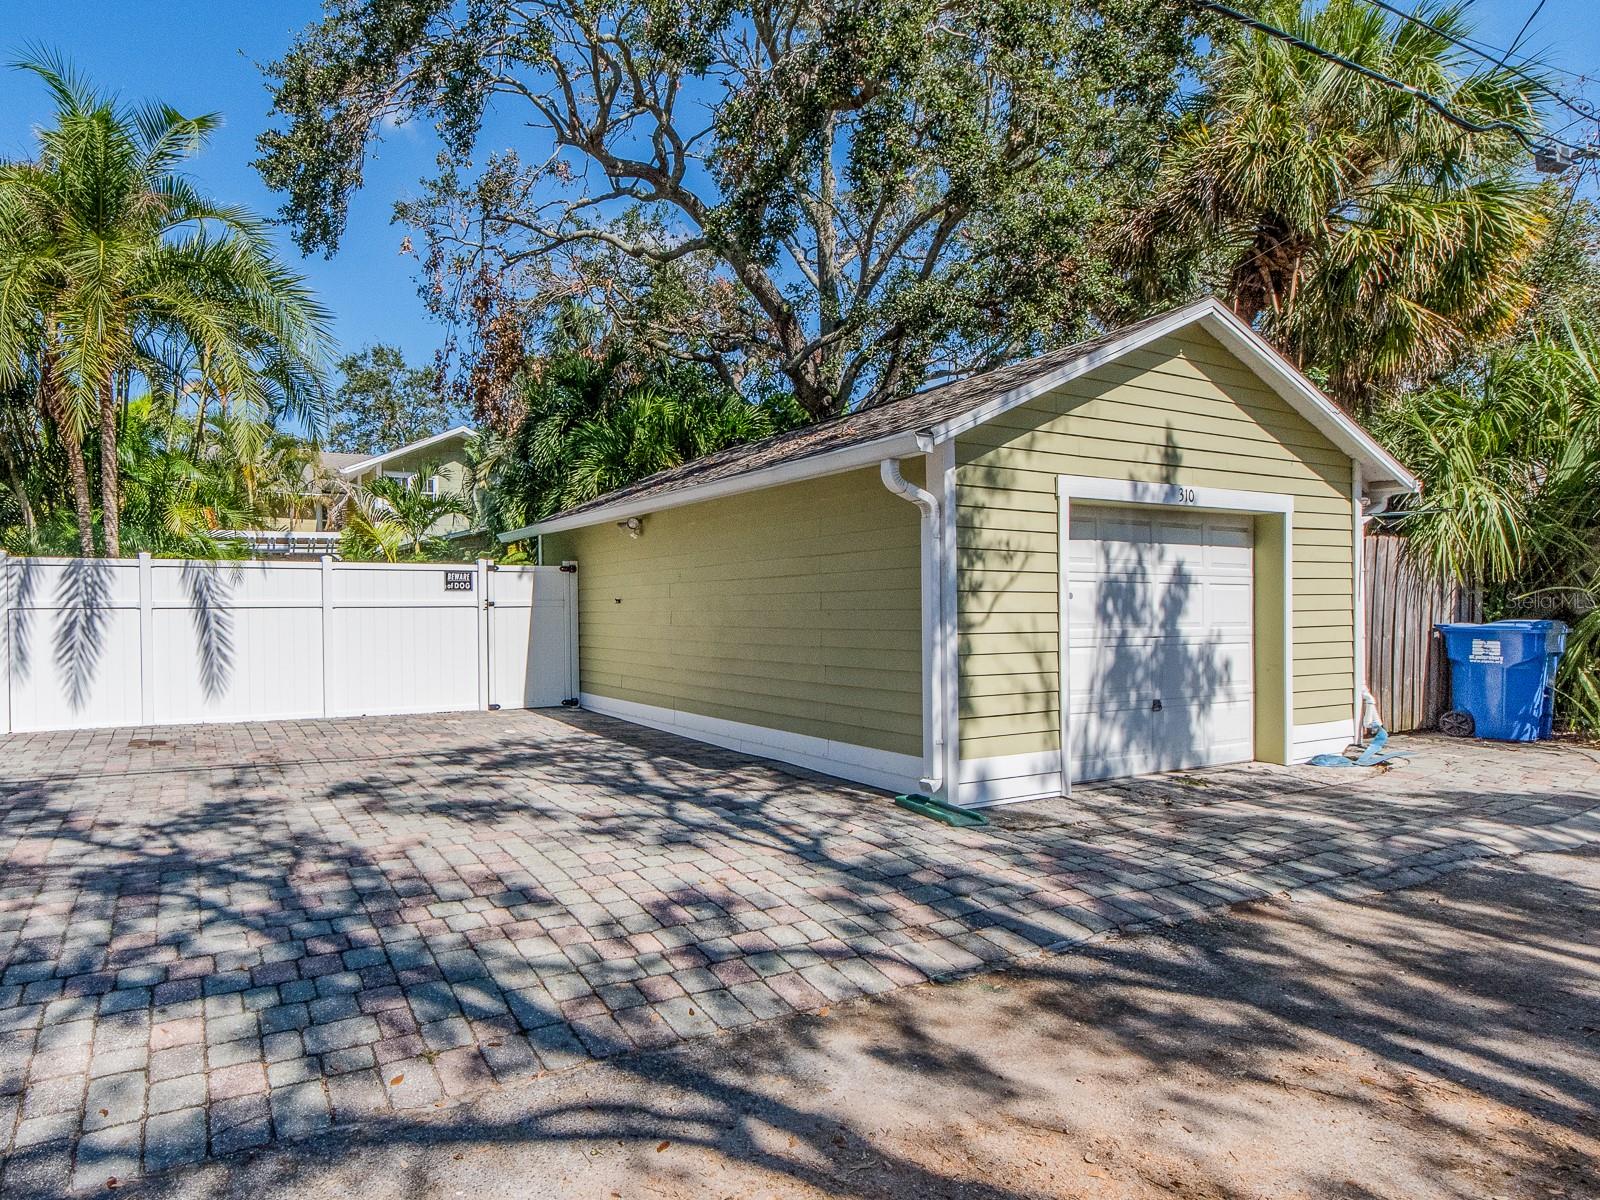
<point x="1383" y="471"/>
<point x="1010" y="778"/>
<point x="366" y="464"/>
<point x="1358" y="595"/>
<point x="942" y="478"/>
<point x="816" y="466"/>
<point x="1330" y="737"/>
<point x="1015" y="778"/>
<point x="883" y="769"/>
<point x="1171" y="495"/>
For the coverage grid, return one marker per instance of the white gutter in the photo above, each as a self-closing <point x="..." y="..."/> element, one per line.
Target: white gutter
<point x="1378" y="497"/>
<point x="847" y="458"/>
<point x="934" y="735"/>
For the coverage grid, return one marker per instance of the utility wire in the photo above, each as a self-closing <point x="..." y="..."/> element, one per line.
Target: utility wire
<point x="1581" y="107"/>
<point x="1517" y="41"/>
<point x="1533" y="142"/>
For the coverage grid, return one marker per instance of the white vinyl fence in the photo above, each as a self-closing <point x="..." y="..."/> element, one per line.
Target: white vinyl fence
<point x="87" y="643"/>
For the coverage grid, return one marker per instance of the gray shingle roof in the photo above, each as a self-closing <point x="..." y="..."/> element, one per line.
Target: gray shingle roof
<point x="333" y="460"/>
<point x="931" y="410"/>
<point x="910" y="414"/>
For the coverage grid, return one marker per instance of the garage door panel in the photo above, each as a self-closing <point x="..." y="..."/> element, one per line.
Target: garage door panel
<point x="1191" y="607"/>
<point x="1145" y="670"/>
<point x="1114" y="704"/>
<point x="1171" y="740"/>
<point x="1230" y="548"/>
<point x="1161" y="661"/>
<point x="1184" y="726"/>
<point x="1230" y="607"/>
<point x="1199" y="544"/>
<point x="1139" y="546"/>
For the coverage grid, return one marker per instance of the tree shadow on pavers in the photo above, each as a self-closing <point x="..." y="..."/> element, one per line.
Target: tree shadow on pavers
<point x="152" y="907"/>
<point x="268" y="854"/>
<point x="1224" y="1024"/>
<point x="669" y="793"/>
<point x="860" y="857"/>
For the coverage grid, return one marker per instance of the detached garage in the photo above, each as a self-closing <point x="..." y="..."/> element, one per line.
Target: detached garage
<point x="1136" y="554"/>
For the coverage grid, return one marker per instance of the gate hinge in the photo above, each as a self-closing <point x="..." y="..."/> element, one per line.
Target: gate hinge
<point x="494" y="708"/>
<point x="491" y="566"/>
<point x="570" y="702"/>
<point x="488" y="603"/>
<point x="570" y="568"/>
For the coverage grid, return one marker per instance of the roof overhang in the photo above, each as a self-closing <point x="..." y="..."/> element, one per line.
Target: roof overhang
<point x="815" y="466"/>
<point x="377" y="460"/>
<point x="1381" y="472"/>
<point x="1379" y="467"/>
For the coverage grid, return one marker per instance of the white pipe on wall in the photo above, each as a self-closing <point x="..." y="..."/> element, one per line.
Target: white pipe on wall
<point x="933" y="675"/>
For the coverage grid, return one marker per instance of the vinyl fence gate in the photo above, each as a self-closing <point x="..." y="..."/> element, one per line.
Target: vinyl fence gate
<point x="88" y="643"/>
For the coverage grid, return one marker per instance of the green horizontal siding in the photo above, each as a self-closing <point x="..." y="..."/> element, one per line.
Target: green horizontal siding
<point x="794" y="608"/>
<point x="1182" y="410"/>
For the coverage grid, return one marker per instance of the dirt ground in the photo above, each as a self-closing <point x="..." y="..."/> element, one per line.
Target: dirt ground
<point x="1438" y="1042"/>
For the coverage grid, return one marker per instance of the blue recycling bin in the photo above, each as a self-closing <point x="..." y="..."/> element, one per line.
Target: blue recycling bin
<point x="1503" y="675"/>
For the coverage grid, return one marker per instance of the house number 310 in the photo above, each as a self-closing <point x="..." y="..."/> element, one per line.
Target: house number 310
<point x="1183" y="495"/>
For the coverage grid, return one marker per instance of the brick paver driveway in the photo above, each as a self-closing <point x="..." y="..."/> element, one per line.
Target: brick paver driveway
<point x="214" y="936"/>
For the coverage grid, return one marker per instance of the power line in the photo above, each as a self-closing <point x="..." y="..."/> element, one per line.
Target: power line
<point x="1517" y="41"/>
<point x="1488" y="54"/>
<point x="1533" y="142"/>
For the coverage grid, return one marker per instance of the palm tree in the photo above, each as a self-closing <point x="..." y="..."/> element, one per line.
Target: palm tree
<point x="113" y="253"/>
<point x="1510" y="462"/>
<point x="30" y="327"/>
<point x="390" y="517"/>
<point x="1359" y="229"/>
<point x="19" y="450"/>
<point x="272" y="470"/>
<point x="173" y="505"/>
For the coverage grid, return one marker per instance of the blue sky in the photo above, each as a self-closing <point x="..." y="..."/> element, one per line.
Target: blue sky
<point x="201" y="55"/>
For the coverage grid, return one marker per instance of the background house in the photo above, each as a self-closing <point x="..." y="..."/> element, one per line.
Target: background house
<point x="435" y="465"/>
<point x="311" y="522"/>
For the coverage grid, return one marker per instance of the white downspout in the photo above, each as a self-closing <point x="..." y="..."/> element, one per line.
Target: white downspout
<point x="933" y="681"/>
<point x="1372" y="500"/>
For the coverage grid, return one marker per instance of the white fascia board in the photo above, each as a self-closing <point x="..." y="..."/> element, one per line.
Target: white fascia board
<point x="833" y="462"/>
<point x="1295" y="389"/>
<point x="378" y="460"/>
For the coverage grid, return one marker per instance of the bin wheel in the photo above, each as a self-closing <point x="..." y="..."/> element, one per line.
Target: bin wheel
<point x="1456" y="723"/>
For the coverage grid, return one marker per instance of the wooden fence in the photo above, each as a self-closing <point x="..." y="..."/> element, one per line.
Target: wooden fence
<point x="1406" y="668"/>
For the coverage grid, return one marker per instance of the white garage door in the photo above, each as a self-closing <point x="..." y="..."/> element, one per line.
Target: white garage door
<point x="1159" y="618"/>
